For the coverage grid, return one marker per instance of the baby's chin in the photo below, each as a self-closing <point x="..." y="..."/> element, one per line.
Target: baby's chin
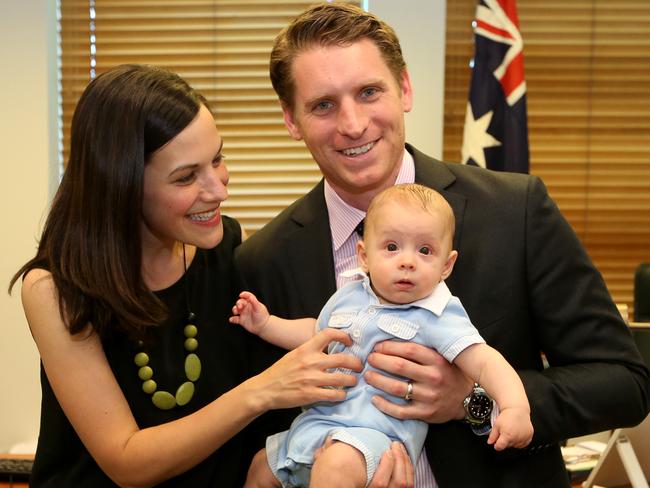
<point x="399" y="298"/>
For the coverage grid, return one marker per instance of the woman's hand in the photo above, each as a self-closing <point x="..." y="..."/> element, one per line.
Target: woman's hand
<point x="303" y="375"/>
<point x="439" y="387"/>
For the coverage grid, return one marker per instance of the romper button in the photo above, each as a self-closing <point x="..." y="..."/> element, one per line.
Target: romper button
<point x="356" y="333"/>
<point x="372" y="311"/>
<point x="394" y="328"/>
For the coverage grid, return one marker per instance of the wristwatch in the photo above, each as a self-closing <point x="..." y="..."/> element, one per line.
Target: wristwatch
<point x="478" y="408"/>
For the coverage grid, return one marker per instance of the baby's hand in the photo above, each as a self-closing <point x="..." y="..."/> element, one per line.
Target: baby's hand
<point x="512" y="428"/>
<point x="250" y="313"/>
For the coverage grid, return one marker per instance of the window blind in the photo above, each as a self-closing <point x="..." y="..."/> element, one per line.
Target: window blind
<point x="587" y="66"/>
<point x="221" y="47"/>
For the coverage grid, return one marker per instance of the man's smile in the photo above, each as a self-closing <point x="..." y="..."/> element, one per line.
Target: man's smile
<point x="355" y="151"/>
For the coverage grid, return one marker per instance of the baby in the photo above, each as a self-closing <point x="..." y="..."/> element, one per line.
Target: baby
<point x="405" y="256"/>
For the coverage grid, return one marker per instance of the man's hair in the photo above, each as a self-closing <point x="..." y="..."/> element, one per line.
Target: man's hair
<point x="330" y="24"/>
<point x="411" y="193"/>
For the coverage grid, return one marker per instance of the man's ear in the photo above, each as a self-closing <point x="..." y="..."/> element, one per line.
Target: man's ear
<point x="449" y="265"/>
<point x="407" y="91"/>
<point x="362" y="257"/>
<point x="290" y="123"/>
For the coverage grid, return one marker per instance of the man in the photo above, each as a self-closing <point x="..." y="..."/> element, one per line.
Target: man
<point x="522" y="274"/>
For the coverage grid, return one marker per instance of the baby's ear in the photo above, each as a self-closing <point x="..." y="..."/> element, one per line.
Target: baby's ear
<point x="449" y="265"/>
<point x="362" y="257"/>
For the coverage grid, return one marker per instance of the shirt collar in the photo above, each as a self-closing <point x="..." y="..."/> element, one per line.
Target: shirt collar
<point x="344" y="218"/>
<point x="434" y="302"/>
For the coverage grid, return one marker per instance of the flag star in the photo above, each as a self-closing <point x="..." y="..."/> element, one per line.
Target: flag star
<point x="476" y="137"/>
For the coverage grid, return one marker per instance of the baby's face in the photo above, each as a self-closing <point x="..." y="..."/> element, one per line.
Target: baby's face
<point x="406" y="251"/>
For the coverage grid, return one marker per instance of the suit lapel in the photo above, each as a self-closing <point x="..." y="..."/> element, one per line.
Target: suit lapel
<point x="312" y="263"/>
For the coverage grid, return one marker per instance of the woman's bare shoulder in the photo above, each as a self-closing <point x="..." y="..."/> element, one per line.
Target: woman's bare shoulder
<point x="37" y="286"/>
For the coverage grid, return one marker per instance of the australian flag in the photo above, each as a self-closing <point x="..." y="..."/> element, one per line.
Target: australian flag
<point x="496" y="130"/>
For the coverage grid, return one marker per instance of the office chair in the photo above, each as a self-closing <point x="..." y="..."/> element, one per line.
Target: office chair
<point x="642" y="293"/>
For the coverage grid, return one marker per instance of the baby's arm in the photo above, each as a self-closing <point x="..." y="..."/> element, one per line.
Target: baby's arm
<point x="512" y="427"/>
<point x="253" y="315"/>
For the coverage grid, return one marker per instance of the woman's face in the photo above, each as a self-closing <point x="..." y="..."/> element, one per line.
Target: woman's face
<point x="184" y="185"/>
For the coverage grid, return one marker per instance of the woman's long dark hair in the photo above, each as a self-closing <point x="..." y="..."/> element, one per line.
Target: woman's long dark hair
<point x="91" y="242"/>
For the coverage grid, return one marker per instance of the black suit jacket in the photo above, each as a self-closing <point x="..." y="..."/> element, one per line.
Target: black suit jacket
<point x="529" y="287"/>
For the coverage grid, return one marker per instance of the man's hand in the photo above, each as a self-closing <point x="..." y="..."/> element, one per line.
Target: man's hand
<point x="395" y="469"/>
<point x="439" y="387"/>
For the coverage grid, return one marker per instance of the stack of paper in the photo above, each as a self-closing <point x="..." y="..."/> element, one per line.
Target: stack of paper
<point x="581" y="458"/>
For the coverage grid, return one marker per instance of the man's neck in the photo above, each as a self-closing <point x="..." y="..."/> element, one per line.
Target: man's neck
<point x="361" y="199"/>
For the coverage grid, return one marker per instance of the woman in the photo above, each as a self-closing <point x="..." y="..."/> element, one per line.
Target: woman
<point x="127" y="299"/>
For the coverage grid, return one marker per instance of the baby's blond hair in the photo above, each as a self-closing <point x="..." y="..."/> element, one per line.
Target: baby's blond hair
<point x="411" y="193"/>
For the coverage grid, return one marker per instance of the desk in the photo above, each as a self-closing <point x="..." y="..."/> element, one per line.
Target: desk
<point x="4" y="483"/>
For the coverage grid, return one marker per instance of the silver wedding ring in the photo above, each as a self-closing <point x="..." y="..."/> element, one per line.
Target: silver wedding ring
<point x="409" y="391"/>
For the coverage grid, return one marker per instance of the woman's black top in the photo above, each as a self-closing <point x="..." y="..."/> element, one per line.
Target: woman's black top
<point x="211" y="285"/>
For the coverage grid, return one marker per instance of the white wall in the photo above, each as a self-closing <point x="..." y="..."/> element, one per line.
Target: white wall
<point x="27" y="43"/>
<point x="420" y="26"/>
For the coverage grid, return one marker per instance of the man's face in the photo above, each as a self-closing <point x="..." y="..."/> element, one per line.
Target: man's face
<point x="349" y="110"/>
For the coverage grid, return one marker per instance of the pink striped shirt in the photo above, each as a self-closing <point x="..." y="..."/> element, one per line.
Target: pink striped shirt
<point x="343" y="220"/>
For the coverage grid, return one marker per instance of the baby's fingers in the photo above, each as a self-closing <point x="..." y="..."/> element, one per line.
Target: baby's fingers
<point x="494" y="435"/>
<point x="502" y="443"/>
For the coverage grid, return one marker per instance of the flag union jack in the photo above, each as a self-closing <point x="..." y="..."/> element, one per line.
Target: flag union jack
<point x="496" y="129"/>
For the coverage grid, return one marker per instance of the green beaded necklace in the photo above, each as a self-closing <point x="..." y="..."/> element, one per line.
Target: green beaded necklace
<point x="163" y="399"/>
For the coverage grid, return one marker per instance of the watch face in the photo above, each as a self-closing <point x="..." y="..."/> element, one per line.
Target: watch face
<point x="479" y="406"/>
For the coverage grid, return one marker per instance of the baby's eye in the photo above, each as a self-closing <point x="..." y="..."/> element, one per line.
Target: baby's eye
<point x="391" y="247"/>
<point x="425" y="250"/>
